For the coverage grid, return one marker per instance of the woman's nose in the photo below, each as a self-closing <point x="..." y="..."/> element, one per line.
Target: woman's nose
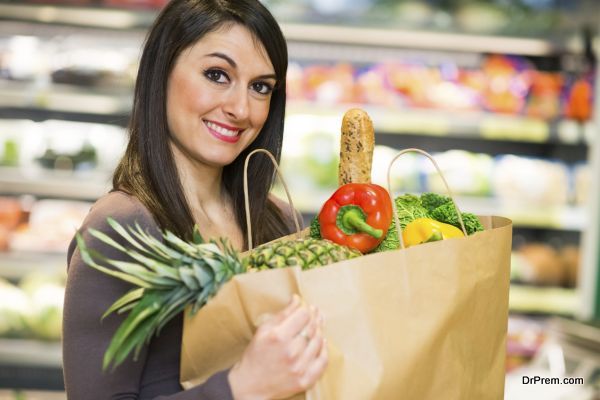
<point x="236" y="103"/>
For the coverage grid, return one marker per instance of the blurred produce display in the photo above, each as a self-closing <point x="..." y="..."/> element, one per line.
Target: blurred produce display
<point x="32" y="308"/>
<point x="74" y="59"/>
<point x="502" y="84"/>
<point x="542" y="264"/>
<point x="39" y="226"/>
<point x="83" y="62"/>
<point x="532" y="181"/>
<point x="467" y="173"/>
<point x="514" y="17"/>
<point x="60" y="145"/>
<point x="7" y="394"/>
<point x="12" y="214"/>
<point x="524" y="339"/>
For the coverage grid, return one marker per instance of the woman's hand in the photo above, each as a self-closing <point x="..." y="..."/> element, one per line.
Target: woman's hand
<point x="287" y="355"/>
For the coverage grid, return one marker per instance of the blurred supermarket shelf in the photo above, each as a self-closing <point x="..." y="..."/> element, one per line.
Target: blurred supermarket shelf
<point x="572" y="218"/>
<point x="30" y="352"/>
<point x="528" y="215"/>
<point x="123" y="19"/>
<point x="46" y="101"/>
<point x="15" y="265"/>
<point x="31" y="364"/>
<point x="455" y="124"/>
<point x="85" y="185"/>
<point x="586" y="334"/>
<point x="96" y="17"/>
<point x="543" y="300"/>
<point x="420" y="39"/>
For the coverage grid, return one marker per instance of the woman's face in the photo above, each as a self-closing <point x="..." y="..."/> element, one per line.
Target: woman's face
<point x="218" y="96"/>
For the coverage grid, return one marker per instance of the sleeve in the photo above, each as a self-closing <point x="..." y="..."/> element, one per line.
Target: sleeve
<point x="85" y="336"/>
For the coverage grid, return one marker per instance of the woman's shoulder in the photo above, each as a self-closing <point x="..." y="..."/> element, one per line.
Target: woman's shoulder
<point x="124" y="208"/>
<point x="120" y="206"/>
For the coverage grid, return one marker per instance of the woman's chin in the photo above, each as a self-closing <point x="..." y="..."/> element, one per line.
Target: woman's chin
<point x="220" y="160"/>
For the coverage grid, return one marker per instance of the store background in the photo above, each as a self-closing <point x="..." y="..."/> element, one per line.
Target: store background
<point x="501" y="91"/>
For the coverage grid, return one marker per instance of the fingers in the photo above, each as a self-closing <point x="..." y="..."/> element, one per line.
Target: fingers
<point x="317" y="367"/>
<point x="276" y="319"/>
<point x="297" y="320"/>
<point x="311" y="345"/>
<point x="306" y="335"/>
<point x="290" y="309"/>
<point x="311" y="363"/>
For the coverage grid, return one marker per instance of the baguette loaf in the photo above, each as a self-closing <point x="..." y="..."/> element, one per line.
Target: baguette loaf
<point x="356" y="147"/>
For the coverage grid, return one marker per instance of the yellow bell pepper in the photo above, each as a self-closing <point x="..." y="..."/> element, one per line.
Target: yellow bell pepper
<point x="423" y="230"/>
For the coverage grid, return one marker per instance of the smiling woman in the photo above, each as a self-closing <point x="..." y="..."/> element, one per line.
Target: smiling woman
<point x="218" y="96"/>
<point x="210" y="89"/>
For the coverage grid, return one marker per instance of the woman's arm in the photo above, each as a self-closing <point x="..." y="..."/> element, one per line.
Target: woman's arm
<point x="88" y="295"/>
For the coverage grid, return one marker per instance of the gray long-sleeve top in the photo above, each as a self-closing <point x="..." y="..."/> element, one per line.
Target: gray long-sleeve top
<point x="89" y="293"/>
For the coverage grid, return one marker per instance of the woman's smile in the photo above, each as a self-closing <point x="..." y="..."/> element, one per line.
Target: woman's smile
<point x="223" y="132"/>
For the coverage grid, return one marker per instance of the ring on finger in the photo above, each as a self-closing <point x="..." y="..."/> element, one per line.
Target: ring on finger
<point x="304" y="334"/>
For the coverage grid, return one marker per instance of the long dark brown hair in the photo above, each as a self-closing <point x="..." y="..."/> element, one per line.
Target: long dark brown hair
<point x="148" y="171"/>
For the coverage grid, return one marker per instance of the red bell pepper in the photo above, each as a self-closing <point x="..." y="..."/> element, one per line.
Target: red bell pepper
<point x="357" y="215"/>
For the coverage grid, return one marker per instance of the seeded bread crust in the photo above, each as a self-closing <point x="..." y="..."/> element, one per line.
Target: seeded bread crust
<point x="356" y="147"/>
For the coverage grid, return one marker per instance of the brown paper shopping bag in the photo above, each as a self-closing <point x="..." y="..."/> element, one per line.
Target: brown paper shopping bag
<point x="426" y="322"/>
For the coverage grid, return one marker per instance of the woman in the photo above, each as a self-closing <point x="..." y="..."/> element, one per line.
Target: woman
<point x="210" y="89"/>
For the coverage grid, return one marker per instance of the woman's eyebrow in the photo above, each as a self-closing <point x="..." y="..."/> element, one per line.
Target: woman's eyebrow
<point x="268" y="76"/>
<point x="224" y="57"/>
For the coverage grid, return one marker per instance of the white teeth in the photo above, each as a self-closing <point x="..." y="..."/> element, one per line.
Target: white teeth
<point x="221" y="130"/>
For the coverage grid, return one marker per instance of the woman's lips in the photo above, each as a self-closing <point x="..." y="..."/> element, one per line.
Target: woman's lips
<point x="224" y="133"/>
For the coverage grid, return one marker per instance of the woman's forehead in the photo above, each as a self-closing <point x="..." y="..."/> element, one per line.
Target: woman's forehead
<point x="234" y="40"/>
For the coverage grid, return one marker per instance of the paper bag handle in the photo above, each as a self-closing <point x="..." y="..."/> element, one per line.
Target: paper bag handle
<point x="246" y="195"/>
<point x="439" y="171"/>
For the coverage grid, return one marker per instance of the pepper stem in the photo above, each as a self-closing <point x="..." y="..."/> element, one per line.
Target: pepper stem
<point x="352" y="219"/>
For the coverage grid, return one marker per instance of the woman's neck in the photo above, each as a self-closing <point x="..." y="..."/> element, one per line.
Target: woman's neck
<point x="201" y="183"/>
<point x="210" y="206"/>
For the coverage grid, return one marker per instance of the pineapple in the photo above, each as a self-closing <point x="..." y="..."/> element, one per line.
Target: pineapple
<point x="305" y="253"/>
<point x="173" y="274"/>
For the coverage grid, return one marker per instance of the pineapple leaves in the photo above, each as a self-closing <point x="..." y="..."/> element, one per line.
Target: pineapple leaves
<point x="198" y="239"/>
<point x="175" y="303"/>
<point x="203" y="274"/>
<point x="136" y="340"/>
<point x="131" y="296"/>
<point x="88" y="255"/>
<point x="188" y="278"/>
<point x="168" y="275"/>
<point x="128" y="334"/>
<point x="143" y="273"/>
<point x="201" y="300"/>
<point x="158" y="249"/>
<point x="106" y="239"/>
<point x="124" y="234"/>
<point x="180" y="244"/>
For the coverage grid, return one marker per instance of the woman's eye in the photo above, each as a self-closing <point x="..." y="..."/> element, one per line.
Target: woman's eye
<point x="262" y="87"/>
<point x="216" y="75"/>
